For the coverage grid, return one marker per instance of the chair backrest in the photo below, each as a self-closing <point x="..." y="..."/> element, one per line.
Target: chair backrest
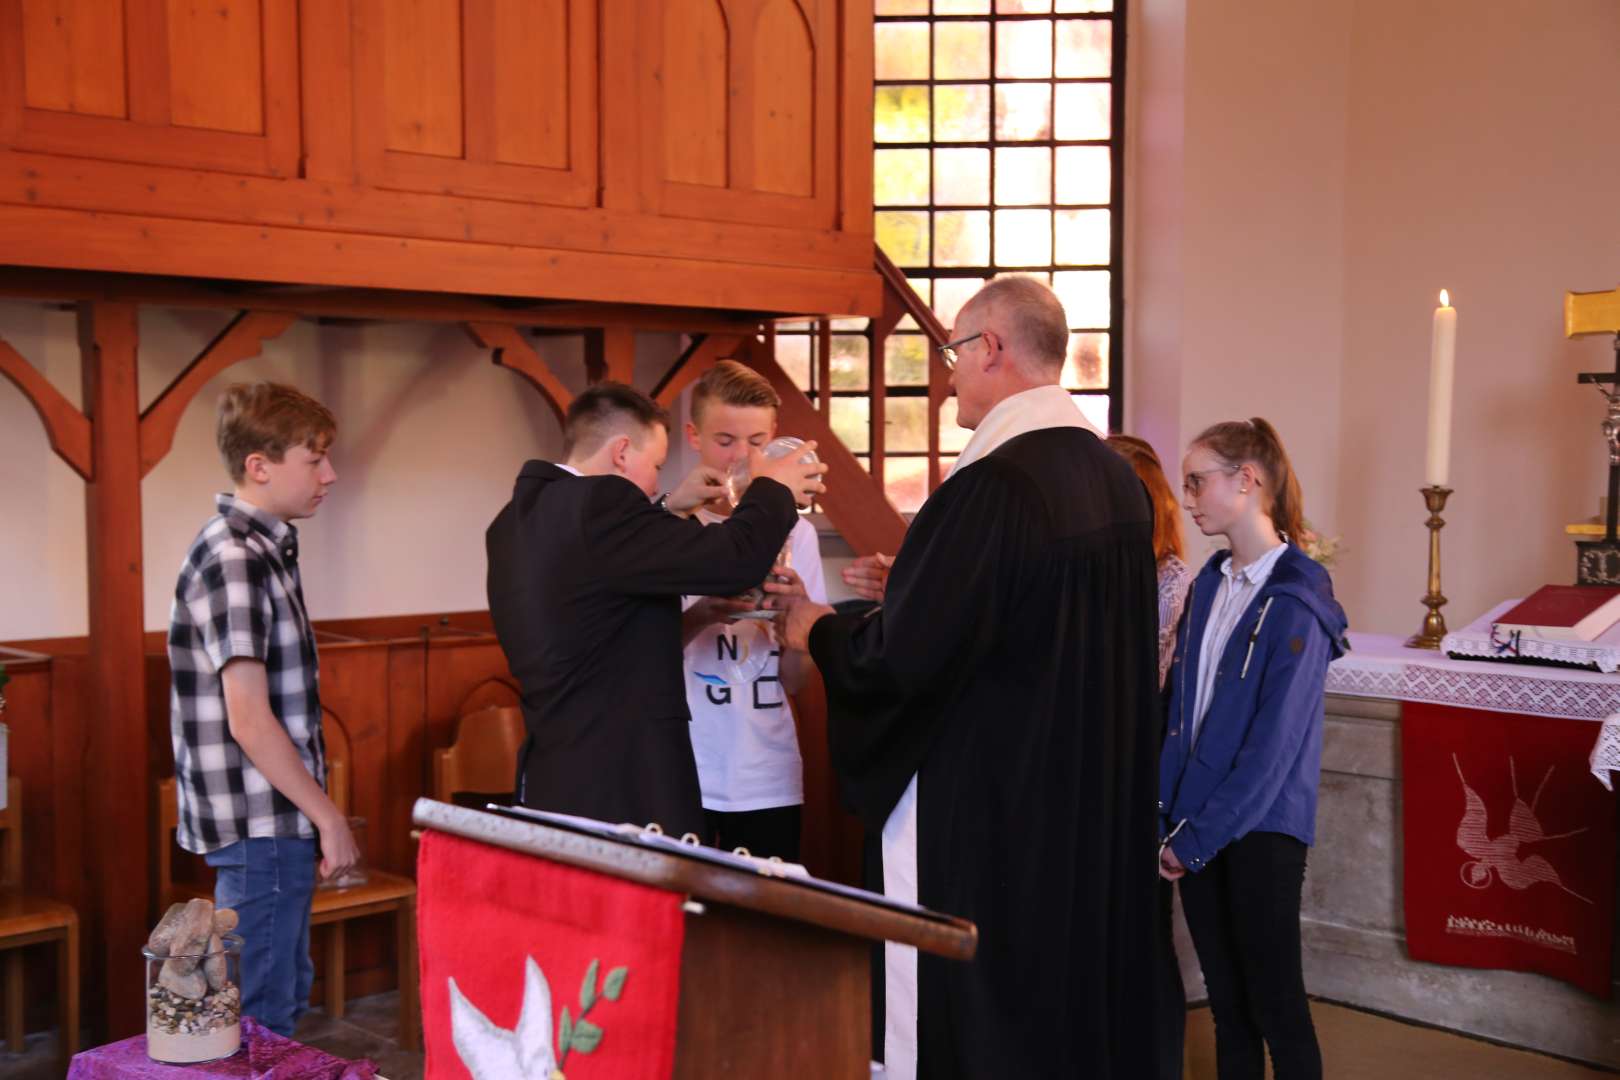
<point x="166" y="820"/>
<point x="11" y="836"/>
<point x="484" y="756"/>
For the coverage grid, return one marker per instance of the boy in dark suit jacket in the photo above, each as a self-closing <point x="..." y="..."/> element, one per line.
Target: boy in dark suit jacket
<point x="585" y="579"/>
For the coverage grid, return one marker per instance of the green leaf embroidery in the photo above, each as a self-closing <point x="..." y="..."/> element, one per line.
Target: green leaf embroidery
<point x="587" y="992"/>
<point x="587" y="1036"/>
<point x="613" y="985"/>
<point x="566" y="1036"/>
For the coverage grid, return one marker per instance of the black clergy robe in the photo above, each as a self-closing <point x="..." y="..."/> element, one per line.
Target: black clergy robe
<point x="1012" y="669"/>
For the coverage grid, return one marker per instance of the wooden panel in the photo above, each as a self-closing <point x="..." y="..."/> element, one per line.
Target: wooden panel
<point x="489" y="99"/>
<point x="784" y="115"/>
<point x="783" y="104"/>
<point x="854" y="147"/>
<point x="739" y="967"/>
<point x="421" y="66"/>
<point x="209" y="85"/>
<point x="41" y="180"/>
<point x="216" y="71"/>
<point x="530" y="65"/>
<point x="696" y="56"/>
<point x="41" y="237"/>
<point x="74" y="56"/>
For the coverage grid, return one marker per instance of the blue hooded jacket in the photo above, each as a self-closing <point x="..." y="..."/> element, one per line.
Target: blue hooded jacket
<point x="1258" y="757"/>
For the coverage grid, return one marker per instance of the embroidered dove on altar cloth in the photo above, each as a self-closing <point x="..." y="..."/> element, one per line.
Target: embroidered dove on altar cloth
<point x="491" y="1052"/>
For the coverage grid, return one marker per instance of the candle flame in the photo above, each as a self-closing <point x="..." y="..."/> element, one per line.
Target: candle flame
<point x="1445" y="298"/>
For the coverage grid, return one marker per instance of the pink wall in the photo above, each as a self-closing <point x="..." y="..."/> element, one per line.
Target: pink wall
<point x="1338" y="163"/>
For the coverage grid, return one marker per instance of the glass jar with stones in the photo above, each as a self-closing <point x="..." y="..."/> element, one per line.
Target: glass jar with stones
<point x="194" y="1002"/>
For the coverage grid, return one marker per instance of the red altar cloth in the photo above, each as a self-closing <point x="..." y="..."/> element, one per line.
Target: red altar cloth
<point x="530" y="966"/>
<point x="1510" y="843"/>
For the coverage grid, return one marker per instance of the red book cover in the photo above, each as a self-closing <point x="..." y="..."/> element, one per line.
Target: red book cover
<point x="1568" y="612"/>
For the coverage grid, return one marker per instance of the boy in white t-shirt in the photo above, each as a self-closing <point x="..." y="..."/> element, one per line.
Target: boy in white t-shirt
<point x="743" y="734"/>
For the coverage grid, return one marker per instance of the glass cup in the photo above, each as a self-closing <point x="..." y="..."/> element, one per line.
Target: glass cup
<point x="738" y="477"/>
<point x="356" y="874"/>
<point x="194" y="1004"/>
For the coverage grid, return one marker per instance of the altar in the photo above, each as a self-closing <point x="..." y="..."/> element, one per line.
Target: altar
<point x="1355" y="917"/>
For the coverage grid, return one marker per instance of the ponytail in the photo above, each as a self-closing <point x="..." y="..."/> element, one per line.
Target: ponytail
<point x="1255" y="442"/>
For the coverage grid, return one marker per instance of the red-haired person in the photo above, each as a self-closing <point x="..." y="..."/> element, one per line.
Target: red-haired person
<point x="1243" y="748"/>
<point x="1169" y="550"/>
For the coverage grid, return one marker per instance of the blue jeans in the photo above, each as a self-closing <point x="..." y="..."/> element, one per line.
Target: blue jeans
<point x="270" y="883"/>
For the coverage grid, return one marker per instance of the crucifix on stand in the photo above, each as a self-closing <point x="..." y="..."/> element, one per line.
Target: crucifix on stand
<point x="1597" y="562"/>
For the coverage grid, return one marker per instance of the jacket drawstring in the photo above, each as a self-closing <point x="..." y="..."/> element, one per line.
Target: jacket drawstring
<point x="1254" y="635"/>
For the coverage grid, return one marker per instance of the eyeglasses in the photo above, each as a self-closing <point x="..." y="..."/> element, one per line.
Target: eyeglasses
<point x="1194" y="483"/>
<point x="947" y="351"/>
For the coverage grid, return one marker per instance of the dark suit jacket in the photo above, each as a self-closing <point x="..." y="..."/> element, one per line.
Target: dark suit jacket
<point x="585" y="581"/>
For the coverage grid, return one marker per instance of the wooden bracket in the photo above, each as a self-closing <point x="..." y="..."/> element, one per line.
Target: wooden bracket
<point x="66" y="427"/>
<point x="243" y="339"/>
<point x="515" y="354"/>
<point x="706" y="351"/>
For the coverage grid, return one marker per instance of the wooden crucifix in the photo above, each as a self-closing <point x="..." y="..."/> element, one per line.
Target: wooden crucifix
<point x="1585" y="314"/>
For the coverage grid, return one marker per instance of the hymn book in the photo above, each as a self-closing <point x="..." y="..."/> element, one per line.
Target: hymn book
<point x="1563" y="613"/>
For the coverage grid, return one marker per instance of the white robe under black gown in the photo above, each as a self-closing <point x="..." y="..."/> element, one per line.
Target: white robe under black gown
<point x="996" y="721"/>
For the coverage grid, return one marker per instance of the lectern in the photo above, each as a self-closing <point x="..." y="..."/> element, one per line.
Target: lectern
<point x="774" y="975"/>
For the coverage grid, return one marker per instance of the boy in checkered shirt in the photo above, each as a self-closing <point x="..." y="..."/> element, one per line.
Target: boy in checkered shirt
<point x="245" y="710"/>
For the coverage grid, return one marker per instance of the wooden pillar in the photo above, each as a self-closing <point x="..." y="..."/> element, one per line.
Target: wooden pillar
<point x="610" y="353"/>
<point x="116" y="770"/>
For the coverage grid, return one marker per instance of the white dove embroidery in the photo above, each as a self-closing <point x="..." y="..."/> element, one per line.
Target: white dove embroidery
<point x="492" y="1053"/>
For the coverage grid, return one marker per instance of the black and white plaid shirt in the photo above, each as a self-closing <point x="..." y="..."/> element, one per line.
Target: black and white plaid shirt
<point x="239" y="596"/>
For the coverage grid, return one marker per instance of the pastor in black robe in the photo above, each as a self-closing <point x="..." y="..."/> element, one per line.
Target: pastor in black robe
<point x="1012" y="671"/>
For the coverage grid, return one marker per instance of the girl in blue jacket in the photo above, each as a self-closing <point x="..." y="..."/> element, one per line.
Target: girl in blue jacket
<point x="1243" y="747"/>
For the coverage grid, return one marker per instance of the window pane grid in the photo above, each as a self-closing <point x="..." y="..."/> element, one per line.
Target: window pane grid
<point x="997" y="131"/>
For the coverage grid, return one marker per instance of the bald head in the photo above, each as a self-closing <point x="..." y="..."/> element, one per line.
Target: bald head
<point x="1030" y="317"/>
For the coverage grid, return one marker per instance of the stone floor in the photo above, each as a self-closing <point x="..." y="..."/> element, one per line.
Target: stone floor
<point x="1355" y="1046"/>
<point x="1358" y="1045"/>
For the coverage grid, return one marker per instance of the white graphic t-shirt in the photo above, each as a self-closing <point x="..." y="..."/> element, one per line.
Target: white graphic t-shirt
<point x="743" y="735"/>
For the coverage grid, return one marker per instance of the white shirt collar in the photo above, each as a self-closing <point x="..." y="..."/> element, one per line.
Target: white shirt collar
<point x="569" y="469"/>
<point x="1257" y="571"/>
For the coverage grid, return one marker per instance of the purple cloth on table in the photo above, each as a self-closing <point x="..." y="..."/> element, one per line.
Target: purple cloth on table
<point x="264" y="1056"/>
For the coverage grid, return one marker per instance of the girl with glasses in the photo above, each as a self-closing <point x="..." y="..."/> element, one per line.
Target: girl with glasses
<point x="1243" y="747"/>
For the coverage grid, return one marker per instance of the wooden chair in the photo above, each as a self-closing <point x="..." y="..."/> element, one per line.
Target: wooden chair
<point x="30" y="920"/>
<point x="381" y="894"/>
<point x="484" y="756"/>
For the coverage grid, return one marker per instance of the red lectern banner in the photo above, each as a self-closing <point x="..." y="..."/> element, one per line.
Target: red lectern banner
<point x="531" y="968"/>
<point x="1509" y="844"/>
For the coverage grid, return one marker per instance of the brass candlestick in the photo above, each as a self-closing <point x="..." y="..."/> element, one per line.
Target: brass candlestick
<point x="1434" y="623"/>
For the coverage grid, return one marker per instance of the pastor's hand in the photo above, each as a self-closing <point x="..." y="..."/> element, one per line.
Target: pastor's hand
<point x="798" y="616"/>
<point x="782" y="587"/>
<point x="702" y="485"/>
<point x="868" y="576"/>
<point x="1170" y="867"/>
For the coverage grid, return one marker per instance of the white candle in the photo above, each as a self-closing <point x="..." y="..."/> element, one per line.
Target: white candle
<point x="1442" y="364"/>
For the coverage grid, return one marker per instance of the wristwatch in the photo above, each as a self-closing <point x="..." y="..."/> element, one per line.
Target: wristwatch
<point x="662" y="502"/>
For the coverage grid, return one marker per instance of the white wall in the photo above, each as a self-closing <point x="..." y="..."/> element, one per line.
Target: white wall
<point x="431" y="436"/>
<point x="1305" y="176"/>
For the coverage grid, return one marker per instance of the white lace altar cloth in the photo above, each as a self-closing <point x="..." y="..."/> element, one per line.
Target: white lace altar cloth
<point x="1381" y="666"/>
<point x="1477" y="639"/>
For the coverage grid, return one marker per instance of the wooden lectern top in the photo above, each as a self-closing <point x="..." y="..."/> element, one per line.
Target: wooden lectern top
<point x="820" y="903"/>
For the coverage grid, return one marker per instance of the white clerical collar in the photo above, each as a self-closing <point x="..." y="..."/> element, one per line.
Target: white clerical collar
<point x="569" y="469"/>
<point x="1026" y="411"/>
